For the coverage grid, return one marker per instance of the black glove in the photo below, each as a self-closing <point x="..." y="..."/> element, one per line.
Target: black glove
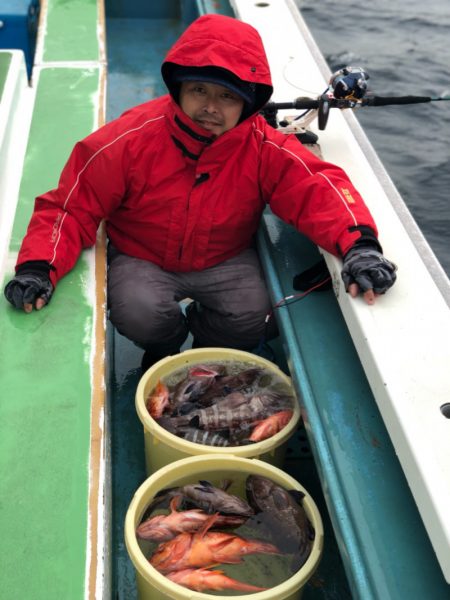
<point x="31" y="282"/>
<point x="367" y="267"/>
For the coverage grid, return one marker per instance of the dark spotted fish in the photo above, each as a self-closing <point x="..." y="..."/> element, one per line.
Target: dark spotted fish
<point x="207" y="497"/>
<point x="283" y="512"/>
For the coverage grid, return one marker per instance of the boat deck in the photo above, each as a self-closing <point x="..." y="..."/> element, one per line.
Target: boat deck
<point x="71" y="459"/>
<point x="348" y="441"/>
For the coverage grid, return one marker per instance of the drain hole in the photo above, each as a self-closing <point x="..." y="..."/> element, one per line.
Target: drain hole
<point x="445" y="410"/>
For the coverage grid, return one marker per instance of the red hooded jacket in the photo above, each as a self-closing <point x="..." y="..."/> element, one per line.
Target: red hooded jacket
<point x="173" y="195"/>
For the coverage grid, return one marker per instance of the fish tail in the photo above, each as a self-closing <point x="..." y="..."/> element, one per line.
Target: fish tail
<point x="300" y="558"/>
<point x="223" y="582"/>
<point x="263" y="547"/>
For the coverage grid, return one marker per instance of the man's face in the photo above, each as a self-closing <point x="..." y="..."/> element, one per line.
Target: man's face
<point x="214" y="107"/>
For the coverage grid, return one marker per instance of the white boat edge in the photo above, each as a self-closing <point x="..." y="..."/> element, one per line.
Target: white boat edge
<point x="402" y="340"/>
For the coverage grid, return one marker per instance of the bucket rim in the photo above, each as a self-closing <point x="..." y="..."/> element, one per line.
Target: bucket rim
<point x="185" y="466"/>
<point x="193" y="448"/>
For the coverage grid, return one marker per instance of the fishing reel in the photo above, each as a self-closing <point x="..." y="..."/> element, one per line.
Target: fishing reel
<point x="346" y="88"/>
<point x="349" y="83"/>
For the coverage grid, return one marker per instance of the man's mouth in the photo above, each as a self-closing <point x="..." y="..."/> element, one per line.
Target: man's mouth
<point x="207" y="124"/>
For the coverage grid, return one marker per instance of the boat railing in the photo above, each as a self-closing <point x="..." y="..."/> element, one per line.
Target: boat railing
<point x="15" y="115"/>
<point x="400" y="352"/>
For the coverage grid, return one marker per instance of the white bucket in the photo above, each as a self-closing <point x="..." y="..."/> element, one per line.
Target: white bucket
<point x="152" y="585"/>
<point x="163" y="447"/>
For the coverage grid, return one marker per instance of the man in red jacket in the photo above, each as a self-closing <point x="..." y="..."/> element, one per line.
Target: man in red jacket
<point x="181" y="182"/>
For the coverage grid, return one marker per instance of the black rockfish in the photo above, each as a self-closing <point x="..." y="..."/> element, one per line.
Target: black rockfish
<point x="207" y="497"/>
<point x="283" y="513"/>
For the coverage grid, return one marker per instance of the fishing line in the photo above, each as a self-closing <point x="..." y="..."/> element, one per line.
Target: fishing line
<point x="287" y="80"/>
<point x="286" y="301"/>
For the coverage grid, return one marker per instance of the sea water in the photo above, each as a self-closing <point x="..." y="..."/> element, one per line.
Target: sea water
<point x="404" y="48"/>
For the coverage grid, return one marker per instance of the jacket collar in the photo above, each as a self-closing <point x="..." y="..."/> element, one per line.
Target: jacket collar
<point x="192" y="140"/>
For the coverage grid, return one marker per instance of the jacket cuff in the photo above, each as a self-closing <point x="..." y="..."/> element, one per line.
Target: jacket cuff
<point x="40" y="267"/>
<point x="358" y="235"/>
<point x="34" y="266"/>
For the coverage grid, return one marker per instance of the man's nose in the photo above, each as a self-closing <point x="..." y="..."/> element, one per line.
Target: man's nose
<point x="210" y="104"/>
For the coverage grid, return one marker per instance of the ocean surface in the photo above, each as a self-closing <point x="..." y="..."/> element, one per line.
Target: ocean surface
<point x="404" y="46"/>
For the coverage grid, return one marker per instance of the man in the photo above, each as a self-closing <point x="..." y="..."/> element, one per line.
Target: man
<point x="181" y="182"/>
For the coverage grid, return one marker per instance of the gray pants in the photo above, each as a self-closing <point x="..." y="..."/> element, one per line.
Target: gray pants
<point x="230" y="308"/>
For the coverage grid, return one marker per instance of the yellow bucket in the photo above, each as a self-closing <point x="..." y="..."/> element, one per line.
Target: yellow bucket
<point x="163" y="447"/>
<point x="152" y="585"/>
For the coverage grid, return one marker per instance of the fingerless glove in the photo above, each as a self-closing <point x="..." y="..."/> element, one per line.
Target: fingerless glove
<point x="32" y="281"/>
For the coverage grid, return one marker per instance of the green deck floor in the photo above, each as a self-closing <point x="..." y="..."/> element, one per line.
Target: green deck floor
<point x="45" y="386"/>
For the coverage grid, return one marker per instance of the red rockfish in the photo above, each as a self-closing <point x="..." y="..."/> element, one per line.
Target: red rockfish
<point x="202" y="579"/>
<point x="158" y="401"/>
<point x="205" y="548"/>
<point x="268" y="427"/>
<point x="162" y="528"/>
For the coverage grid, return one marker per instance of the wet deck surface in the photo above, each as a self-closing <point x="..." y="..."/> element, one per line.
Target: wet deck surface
<point x="131" y="44"/>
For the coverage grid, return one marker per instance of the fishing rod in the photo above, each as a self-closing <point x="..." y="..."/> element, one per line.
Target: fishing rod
<point x="347" y="89"/>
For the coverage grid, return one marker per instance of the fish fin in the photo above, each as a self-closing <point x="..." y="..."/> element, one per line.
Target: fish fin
<point x="209" y="509"/>
<point x="225" y="484"/>
<point x="233" y="561"/>
<point x="207" y="525"/>
<point x="165" y="491"/>
<point x="205" y="483"/>
<point x="217" y="571"/>
<point x="186" y="408"/>
<point x="206" y="569"/>
<point x="166" y="422"/>
<point x="160" y="497"/>
<point x="205" y="487"/>
<point x="175" y="503"/>
<point x="211" y="566"/>
<point x="195" y="421"/>
<point x="297" y="495"/>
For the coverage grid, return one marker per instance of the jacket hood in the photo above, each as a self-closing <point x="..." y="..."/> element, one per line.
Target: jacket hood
<point x="225" y="42"/>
